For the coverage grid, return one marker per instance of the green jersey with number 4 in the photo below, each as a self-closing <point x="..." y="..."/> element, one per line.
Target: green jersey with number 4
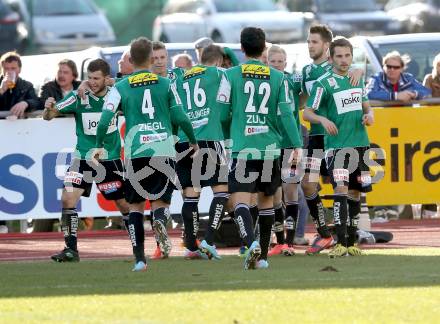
<point x="87" y="114"/>
<point x="151" y="106"/>
<point x="259" y="100"/>
<point x="311" y="73"/>
<point x="336" y="99"/>
<point x="198" y="89"/>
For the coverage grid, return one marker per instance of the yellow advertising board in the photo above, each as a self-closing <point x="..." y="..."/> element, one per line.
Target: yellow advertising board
<point x="410" y="142"/>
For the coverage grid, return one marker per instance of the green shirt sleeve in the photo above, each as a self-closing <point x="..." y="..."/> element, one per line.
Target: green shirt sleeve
<point x="68" y="104"/>
<point x="286" y="116"/>
<point x="230" y="53"/>
<point x="109" y="109"/>
<point x="178" y="116"/>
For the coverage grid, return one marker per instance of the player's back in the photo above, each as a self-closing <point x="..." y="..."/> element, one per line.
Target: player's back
<point x="146" y="102"/>
<point x="198" y="89"/>
<point x="255" y="90"/>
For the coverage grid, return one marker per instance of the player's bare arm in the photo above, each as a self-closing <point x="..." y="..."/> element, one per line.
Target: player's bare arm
<point x="312" y="117"/>
<point x="50" y="111"/>
<point x="368" y="117"/>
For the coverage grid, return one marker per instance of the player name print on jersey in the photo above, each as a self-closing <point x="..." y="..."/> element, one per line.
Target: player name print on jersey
<point x="142" y="79"/>
<point x="255" y="71"/>
<point x="348" y="100"/>
<point x="195" y="71"/>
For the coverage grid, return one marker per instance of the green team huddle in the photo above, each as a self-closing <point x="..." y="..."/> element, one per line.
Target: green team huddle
<point x="255" y="107"/>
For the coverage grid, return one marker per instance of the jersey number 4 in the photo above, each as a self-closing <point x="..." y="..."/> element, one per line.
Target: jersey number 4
<point x="264" y="90"/>
<point x="147" y="104"/>
<point x="199" y="95"/>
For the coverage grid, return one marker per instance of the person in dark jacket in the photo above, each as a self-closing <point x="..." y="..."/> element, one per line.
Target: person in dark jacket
<point x="393" y="83"/>
<point x="64" y="82"/>
<point x="16" y="94"/>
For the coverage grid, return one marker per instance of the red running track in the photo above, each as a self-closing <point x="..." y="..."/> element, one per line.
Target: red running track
<point x="115" y="244"/>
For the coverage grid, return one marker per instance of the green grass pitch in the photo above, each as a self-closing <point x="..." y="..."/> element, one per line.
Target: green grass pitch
<point x="384" y="286"/>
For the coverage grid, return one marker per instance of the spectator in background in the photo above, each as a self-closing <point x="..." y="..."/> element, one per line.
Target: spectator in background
<point x="183" y="61"/>
<point x="125" y="67"/>
<point x="432" y="82"/>
<point x="64" y="82"/>
<point x="16" y="94"/>
<point x="393" y="83"/>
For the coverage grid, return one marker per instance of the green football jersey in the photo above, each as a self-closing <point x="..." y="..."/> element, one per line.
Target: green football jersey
<point x="174" y="74"/>
<point x="87" y="115"/>
<point x="151" y="106"/>
<point x="336" y="99"/>
<point x="294" y="80"/>
<point x="258" y="98"/>
<point x="310" y="73"/>
<point x="198" y="89"/>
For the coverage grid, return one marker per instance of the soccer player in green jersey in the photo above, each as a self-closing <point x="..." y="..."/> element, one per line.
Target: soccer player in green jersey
<point x="344" y="112"/>
<point x="160" y="62"/>
<point x="79" y="178"/>
<point x="151" y="107"/>
<point x="198" y="89"/>
<point x="318" y="41"/>
<point x="290" y="176"/>
<point x="258" y="99"/>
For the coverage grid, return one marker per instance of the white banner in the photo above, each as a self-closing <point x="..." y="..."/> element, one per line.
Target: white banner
<point x="34" y="155"/>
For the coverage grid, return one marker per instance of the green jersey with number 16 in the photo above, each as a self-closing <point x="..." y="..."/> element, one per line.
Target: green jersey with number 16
<point x="198" y="89"/>
<point x="87" y="114"/>
<point x="336" y="99"/>
<point x="259" y="100"/>
<point x="151" y="106"/>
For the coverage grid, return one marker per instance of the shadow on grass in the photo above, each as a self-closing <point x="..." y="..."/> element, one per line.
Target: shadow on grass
<point x="39" y="279"/>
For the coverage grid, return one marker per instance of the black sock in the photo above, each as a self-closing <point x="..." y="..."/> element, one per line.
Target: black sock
<point x="278" y="226"/>
<point x="162" y="214"/>
<point x="291" y="221"/>
<point x="354" y="209"/>
<point x="190" y="211"/>
<point x="125" y="220"/>
<point x="216" y="214"/>
<point x="340" y="213"/>
<point x="254" y="213"/>
<point x="318" y="215"/>
<point x="69" y="226"/>
<point x="137" y="235"/>
<point x="266" y="220"/>
<point x="244" y="221"/>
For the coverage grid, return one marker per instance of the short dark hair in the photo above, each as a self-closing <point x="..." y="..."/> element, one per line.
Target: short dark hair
<point x="99" y="65"/>
<point x="71" y="65"/>
<point x="211" y="54"/>
<point x="140" y="50"/>
<point x="340" y="42"/>
<point x="157" y="45"/>
<point x="9" y="57"/>
<point x="323" y="31"/>
<point x="253" y="41"/>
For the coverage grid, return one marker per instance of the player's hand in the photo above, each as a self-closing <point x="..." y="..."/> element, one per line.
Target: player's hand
<point x="329" y="126"/>
<point x="82" y="89"/>
<point x="368" y="119"/>
<point x="195" y="148"/>
<point x="97" y="155"/>
<point x="295" y="156"/>
<point x="19" y="108"/>
<point x="49" y="103"/>
<point x="405" y="96"/>
<point x="355" y="76"/>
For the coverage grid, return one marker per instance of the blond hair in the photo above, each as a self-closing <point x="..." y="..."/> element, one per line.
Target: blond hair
<point x="404" y="59"/>
<point x="435" y="72"/>
<point x="275" y="49"/>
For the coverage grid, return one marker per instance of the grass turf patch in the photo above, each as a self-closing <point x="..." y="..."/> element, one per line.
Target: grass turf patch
<point x="386" y="285"/>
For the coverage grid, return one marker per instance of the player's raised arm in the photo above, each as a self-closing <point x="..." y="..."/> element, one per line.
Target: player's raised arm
<point x="109" y="109"/>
